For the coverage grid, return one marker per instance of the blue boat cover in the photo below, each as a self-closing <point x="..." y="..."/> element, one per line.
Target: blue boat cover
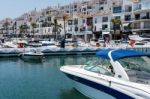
<point x="119" y="53"/>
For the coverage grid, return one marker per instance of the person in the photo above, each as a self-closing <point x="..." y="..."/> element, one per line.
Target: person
<point x="62" y="43"/>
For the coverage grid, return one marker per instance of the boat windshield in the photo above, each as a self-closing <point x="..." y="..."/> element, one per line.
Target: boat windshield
<point x="137" y="68"/>
<point x="99" y="66"/>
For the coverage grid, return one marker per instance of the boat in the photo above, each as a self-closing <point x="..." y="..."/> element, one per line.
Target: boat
<point x="82" y="44"/>
<point x="32" y="55"/>
<point x="15" y="44"/>
<point x="119" y="73"/>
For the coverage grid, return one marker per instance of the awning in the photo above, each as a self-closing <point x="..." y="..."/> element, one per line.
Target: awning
<point x="119" y="54"/>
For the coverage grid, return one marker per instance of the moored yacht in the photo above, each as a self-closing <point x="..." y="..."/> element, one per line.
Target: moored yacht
<point x="121" y="74"/>
<point x="32" y="55"/>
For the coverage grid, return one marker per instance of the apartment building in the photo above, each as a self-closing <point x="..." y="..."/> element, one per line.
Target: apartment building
<point x="96" y="16"/>
<point x="141" y="16"/>
<point x="89" y="17"/>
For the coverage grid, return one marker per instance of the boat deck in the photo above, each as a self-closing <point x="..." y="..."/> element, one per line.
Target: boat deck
<point x="139" y="77"/>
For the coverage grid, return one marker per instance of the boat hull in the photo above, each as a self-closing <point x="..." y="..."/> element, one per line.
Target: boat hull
<point x="9" y="54"/>
<point x="91" y="92"/>
<point x="95" y="90"/>
<point x="31" y="57"/>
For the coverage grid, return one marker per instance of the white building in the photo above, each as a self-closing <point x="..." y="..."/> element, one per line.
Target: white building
<point x="88" y="17"/>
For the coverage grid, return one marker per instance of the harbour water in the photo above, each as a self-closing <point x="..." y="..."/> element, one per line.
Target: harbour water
<point x="38" y="80"/>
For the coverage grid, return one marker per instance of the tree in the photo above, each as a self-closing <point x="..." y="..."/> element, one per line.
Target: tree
<point x="56" y="29"/>
<point x="116" y="25"/>
<point x="65" y="17"/>
<point x="23" y="29"/>
<point x="34" y="25"/>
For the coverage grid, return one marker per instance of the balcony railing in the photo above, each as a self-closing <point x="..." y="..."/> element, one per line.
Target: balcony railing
<point x="136" y="27"/>
<point x="137" y="19"/>
<point x="146" y="27"/>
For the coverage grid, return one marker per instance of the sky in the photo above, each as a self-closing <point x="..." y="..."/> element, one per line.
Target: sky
<point x="14" y="8"/>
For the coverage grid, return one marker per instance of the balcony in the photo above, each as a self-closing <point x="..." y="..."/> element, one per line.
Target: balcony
<point x="147" y="27"/>
<point x="145" y="17"/>
<point x="127" y="20"/>
<point x="138" y="7"/>
<point x="127" y="10"/>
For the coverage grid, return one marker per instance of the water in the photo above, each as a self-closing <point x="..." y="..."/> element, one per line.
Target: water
<point x="38" y="80"/>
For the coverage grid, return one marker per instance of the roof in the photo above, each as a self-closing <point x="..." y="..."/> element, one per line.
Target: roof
<point x="119" y="54"/>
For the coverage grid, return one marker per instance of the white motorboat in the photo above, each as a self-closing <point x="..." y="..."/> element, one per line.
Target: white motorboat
<point x="15" y="44"/>
<point x="82" y="44"/>
<point x="32" y="55"/>
<point x="121" y="74"/>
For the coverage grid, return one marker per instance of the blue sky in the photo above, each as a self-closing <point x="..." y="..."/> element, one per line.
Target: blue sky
<point x="14" y="8"/>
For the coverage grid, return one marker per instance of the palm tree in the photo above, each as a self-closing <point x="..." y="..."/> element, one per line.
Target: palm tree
<point x="34" y="25"/>
<point x="65" y="17"/>
<point x="116" y="25"/>
<point x="56" y="28"/>
<point x="21" y="29"/>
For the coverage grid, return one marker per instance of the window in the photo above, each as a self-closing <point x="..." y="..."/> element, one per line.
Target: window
<point x="128" y="8"/>
<point x="137" y="6"/>
<point x="94" y="28"/>
<point x="76" y="29"/>
<point x="75" y="10"/>
<point x="148" y="15"/>
<point x="101" y="8"/>
<point x="146" y="25"/>
<point x="84" y="9"/>
<point x="67" y="12"/>
<point x="137" y="16"/>
<point x="99" y="66"/>
<point x="49" y="18"/>
<point x="75" y="6"/>
<point x="127" y="18"/>
<point x="105" y="19"/>
<point x="69" y="22"/>
<point x="95" y="20"/>
<point x="76" y="22"/>
<point x="70" y="29"/>
<point x="83" y="29"/>
<point x="89" y="7"/>
<point x="83" y="20"/>
<point x="117" y="9"/>
<point x="104" y="27"/>
<point x="137" y="25"/>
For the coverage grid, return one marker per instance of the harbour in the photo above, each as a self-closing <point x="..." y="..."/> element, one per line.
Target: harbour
<point x="75" y="49"/>
<point x="38" y="80"/>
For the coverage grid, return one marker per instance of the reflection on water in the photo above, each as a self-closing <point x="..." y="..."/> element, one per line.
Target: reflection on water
<point x="38" y="80"/>
<point x="72" y="93"/>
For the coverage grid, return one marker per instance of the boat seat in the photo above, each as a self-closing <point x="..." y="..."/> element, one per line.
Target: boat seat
<point x="138" y="77"/>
